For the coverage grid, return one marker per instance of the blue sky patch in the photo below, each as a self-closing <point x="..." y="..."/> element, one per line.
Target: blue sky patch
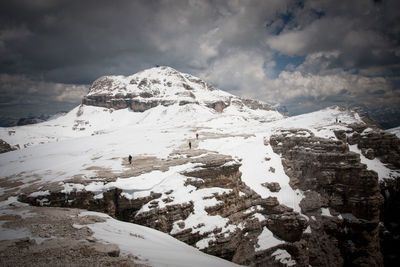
<point x="283" y="60"/>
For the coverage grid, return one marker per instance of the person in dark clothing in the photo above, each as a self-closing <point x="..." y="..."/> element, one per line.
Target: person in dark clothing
<point x="130" y="159"/>
<point x="190" y="145"/>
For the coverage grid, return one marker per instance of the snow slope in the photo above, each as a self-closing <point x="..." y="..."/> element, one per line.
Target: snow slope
<point x="152" y="247"/>
<point x="86" y="121"/>
<point x="111" y="136"/>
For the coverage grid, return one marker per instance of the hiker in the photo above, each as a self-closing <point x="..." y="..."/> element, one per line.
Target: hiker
<point x="197" y="136"/>
<point x="130" y="159"/>
<point x="336" y="120"/>
<point x="190" y="145"/>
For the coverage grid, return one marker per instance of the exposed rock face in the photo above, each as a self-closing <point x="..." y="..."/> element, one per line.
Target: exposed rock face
<point x="334" y="180"/>
<point x="253" y="104"/>
<point x="162" y="219"/>
<point x="288" y="227"/>
<point x="381" y="144"/>
<point x="386" y="147"/>
<point x="239" y="245"/>
<point x="5" y="147"/>
<point x="390" y="216"/>
<point x="218" y="106"/>
<point x="123" y="102"/>
<point x="273" y="187"/>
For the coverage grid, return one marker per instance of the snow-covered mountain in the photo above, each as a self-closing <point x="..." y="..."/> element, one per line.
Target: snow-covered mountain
<point x="160" y="96"/>
<point x="254" y="188"/>
<point x="162" y="86"/>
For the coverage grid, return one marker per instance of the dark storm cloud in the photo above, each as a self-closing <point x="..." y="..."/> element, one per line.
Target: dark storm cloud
<point x="77" y="41"/>
<point x="365" y="34"/>
<point x="20" y="96"/>
<point x="278" y="50"/>
<point x="87" y="39"/>
<point x="20" y="89"/>
<point x="78" y="37"/>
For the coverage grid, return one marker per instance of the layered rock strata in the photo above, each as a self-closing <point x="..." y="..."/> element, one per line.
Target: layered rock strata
<point x="342" y="198"/>
<point x="385" y="147"/>
<point x="373" y="144"/>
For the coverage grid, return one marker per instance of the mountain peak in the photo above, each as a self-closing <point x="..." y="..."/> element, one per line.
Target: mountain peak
<point x="161" y="70"/>
<point x="161" y="86"/>
<point x="154" y="80"/>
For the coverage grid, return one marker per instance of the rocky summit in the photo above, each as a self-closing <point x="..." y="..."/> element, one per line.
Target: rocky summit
<point x="161" y="86"/>
<point x="212" y="179"/>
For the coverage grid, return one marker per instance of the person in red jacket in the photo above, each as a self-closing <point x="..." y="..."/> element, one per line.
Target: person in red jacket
<point x="197" y="136"/>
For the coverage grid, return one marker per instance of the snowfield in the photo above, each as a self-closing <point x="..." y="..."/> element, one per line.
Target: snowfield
<point x="56" y="152"/>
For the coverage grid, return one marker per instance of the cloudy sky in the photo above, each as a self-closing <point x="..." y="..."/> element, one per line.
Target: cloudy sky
<point x="305" y="55"/>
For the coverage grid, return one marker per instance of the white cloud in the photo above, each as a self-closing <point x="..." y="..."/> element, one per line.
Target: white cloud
<point x="70" y="92"/>
<point x="249" y="74"/>
<point x="242" y="72"/>
<point x="320" y="35"/>
<point x="290" y="85"/>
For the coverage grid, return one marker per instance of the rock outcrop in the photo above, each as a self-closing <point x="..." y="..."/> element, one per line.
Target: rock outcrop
<point x="5" y="147"/>
<point x="121" y="102"/>
<point x="342" y="198"/>
<point x="385" y="147"/>
<point x="273" y="187"/>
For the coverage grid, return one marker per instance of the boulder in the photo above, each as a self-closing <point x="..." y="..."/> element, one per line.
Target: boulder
<point x="5" y="147"/>
<point x="273" y="187"/>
